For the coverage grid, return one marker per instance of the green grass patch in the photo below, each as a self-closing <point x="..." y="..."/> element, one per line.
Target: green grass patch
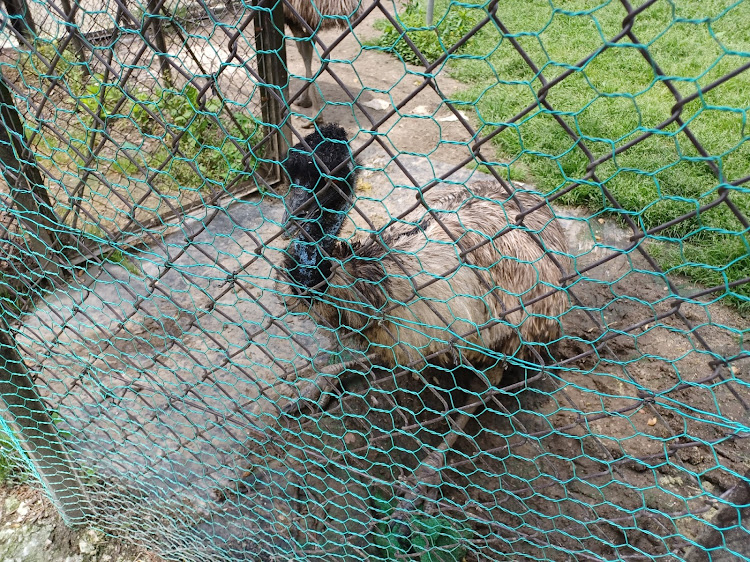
<point x="610" y="98"/>
<point x="451" y="23"/>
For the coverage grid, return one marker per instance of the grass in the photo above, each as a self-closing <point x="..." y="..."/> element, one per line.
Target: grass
<point x="608" y="102"/>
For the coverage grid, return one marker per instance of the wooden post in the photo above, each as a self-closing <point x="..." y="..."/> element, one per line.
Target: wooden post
<point x="37" y="433"/>
<point x="271" y="49"/>
<point x="76" y="38"/>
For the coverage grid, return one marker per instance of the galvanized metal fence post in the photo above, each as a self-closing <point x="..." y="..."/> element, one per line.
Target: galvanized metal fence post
<point x="24" y="407"/>
<point x="76" y="39"/>
<point x="21" y="21"/>
<point x="37" y="432"/>
<point x="29" y="196"/>
<point x="154" y="20"/>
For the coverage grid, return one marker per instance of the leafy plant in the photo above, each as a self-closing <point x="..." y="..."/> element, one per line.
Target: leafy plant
<point x="38" y="60"/>
<point x="432" y="538"/>
<point x="432" y="43"/>
<point x="210" y="139"/>
<point x="118" y="257"/>
<point x="114" y="256"/>
<point x="94" y="90"/>
<point x="57" y="421"/>
<point x="197" y="143"/>
<point x="9" y="301"/>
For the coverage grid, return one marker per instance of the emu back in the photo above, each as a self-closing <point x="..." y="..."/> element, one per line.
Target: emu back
<point x="416" y="287"/>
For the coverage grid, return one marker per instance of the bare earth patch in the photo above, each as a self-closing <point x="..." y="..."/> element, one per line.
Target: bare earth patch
<point x="32" y="531"/>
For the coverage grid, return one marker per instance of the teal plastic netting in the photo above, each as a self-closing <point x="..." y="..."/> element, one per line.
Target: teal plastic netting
<point x="528" y="339"/>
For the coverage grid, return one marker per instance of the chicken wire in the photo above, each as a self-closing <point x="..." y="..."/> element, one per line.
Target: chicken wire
<point x="164" y="356"/>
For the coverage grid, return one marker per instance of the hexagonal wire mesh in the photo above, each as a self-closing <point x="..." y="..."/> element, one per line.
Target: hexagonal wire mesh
<point x="144" y="245"/>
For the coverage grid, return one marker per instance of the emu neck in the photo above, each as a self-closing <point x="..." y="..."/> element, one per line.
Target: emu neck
<point x="313" y="245"/>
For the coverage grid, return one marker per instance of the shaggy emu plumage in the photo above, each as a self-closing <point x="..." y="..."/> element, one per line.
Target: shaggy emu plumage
<point x="312" y="13"/>
<point x="460" y="297"/>
<point x="484" y="292"/>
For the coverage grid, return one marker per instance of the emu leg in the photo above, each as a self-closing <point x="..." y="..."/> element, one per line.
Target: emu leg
<point x="310" y="97"/>
<point x="317" y="394"/>
<point x="425" y="481"/>
<point x="305" y="49"/>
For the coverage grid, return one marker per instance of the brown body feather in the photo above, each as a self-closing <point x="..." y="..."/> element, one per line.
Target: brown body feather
<point x="312" y="12"/>
<point x="423" y="296"/>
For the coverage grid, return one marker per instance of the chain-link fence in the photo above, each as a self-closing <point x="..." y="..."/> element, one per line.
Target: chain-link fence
<point x="527" y="323"/>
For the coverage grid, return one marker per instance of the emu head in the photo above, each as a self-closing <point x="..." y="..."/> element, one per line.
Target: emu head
<point x="322" y="174"/>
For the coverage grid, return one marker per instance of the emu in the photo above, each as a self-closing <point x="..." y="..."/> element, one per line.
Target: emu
<point x="310" y="15"/>
<point x="462" y="285"/>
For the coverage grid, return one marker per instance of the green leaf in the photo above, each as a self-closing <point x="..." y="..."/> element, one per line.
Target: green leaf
<point x="191" y="93"/>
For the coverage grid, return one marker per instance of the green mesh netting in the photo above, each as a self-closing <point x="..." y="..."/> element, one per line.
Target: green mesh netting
<point x="551" y="365"/>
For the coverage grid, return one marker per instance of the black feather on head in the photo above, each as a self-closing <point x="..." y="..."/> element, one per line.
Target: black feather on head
<point x="327" y="146"/>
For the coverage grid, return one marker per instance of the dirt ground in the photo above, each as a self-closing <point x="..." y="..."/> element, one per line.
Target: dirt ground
<point x="631" y="427"/>
<point x="31" y="531"/>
